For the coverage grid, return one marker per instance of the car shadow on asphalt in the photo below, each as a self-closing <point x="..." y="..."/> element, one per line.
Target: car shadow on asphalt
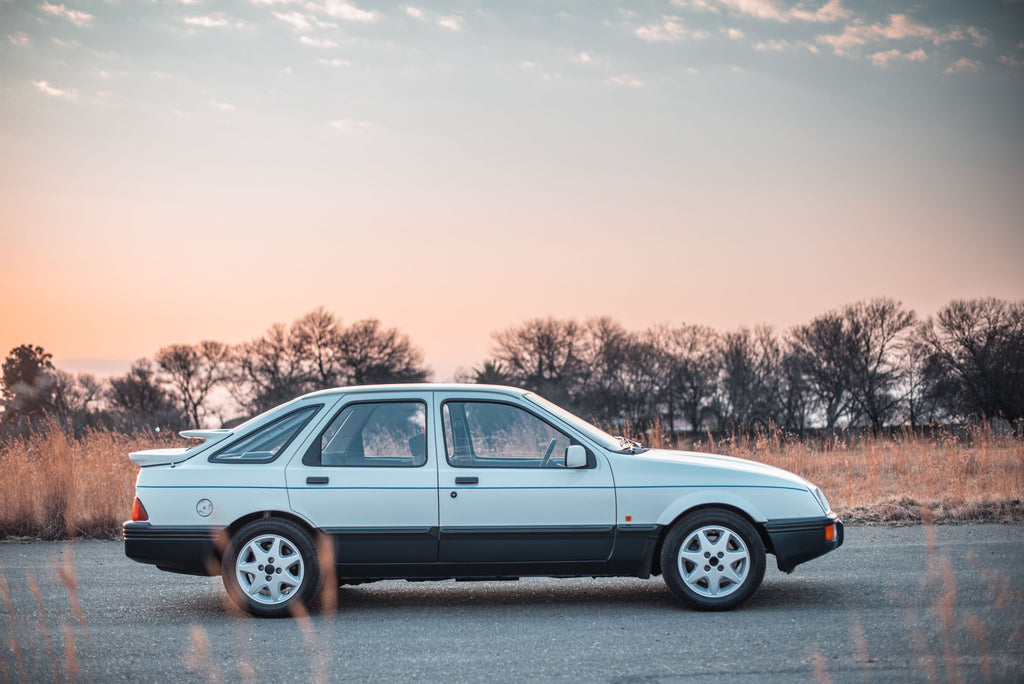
<point x="528" y="594"/>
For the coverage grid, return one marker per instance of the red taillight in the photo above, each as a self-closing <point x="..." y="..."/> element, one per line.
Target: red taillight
<point x="830" y="531"/>
<point x="139" y="511"/>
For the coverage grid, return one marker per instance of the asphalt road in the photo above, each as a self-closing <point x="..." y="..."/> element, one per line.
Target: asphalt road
<point x="882" y="608"/>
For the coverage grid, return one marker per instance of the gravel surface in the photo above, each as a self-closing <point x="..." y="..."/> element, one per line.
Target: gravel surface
<point x="887" y="606"/>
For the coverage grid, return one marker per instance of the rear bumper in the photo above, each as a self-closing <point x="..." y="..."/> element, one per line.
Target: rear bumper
<point x="798" y="540"/>
<point x="189" y="550"/>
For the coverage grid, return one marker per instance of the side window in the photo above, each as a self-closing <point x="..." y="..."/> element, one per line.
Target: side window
<point x="266" y="443"/>
<point x="491" y="435"/>
<point x="384" y="434"/>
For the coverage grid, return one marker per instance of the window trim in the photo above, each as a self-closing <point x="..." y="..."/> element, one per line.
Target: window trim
<point x="573" y="439"/>
<point x="314" y="454"/>
<point x="314" y="409"/>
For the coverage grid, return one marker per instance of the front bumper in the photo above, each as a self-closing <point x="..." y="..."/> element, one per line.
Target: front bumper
<point x="188" y="550"/>
<point x="798" y="540"/>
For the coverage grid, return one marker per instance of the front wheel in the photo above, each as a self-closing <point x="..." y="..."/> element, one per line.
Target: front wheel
<point x="270" y="566"/>
<point x="713" y="559"/>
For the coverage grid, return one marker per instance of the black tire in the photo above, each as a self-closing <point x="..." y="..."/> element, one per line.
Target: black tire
<point x="253" y="543"/>
<point x="711" y="584"/>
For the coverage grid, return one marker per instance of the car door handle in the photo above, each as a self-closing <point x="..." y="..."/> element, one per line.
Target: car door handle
<point x="317" y="480"/>
<point x="467" y="480"/>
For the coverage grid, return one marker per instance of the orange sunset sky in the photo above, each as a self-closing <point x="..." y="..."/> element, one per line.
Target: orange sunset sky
<point x="177" y="171"/>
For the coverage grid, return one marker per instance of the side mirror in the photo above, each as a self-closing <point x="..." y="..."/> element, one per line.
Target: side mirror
<point x="575" y="457"/>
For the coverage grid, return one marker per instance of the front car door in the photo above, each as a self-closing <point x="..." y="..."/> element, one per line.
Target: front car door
<point x="505" y="495"/>
<point x="368" y="479"/>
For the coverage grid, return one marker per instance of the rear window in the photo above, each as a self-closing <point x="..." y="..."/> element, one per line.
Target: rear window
<point x="266" y="443"/>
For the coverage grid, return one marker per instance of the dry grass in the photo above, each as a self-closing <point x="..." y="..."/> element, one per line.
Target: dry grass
<point x="59" y="487"/>
<point x="973" y="477"/>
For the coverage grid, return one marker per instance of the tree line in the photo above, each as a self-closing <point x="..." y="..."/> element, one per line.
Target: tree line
<point x="871" y="364"/>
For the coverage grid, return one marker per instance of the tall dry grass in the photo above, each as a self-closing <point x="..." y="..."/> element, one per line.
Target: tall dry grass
<point x="975" y="475"/>
<point x="54" y="486"/>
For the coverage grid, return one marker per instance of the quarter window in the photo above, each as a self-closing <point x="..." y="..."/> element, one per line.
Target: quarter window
<point x="385" y="434"/>
<point x="492" y="435"/>
<point x="266" y="443"/>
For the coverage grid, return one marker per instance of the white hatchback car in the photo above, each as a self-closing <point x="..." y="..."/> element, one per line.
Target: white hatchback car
<point x="460" y="481"/>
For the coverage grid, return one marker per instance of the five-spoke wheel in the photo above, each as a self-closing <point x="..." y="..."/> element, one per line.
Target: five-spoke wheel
<point x="269" y="565"/>
<point x="713" y="559"/>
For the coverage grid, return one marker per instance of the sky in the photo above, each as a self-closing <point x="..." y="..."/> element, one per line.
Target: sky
<point x="201" y="169"/>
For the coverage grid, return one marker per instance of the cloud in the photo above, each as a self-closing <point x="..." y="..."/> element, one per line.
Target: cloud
<point x="1010" y="60"/>
<point x="785" y="45"/>
<point x="302" y="23"/>
<point x="452" y="23"/>
<point x="217" y="20"/>
<point x="963" y="65"/>
<point x="882" y="59"/>
<point x="669" y="30"/>
<point x="351" y="126"/>
<point x="76" y="17"/>
<point x="19" y="39"/>
<point x="899" y="27"/>
<point x="769" y="10"/>
<point x="734" y="33"/>
<point x="222" y="106"/>
<point x="625" y="80"/>
<point x="336" y="63"/>
<point x="318" y="42"/>
<point x="52" y="91"/>
<point x="697" y="5"/>
<point x="346" y="11"/>
<point x="588" y="58"/>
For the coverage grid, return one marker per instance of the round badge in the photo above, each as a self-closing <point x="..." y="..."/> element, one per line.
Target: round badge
<point x="204" y="507"/>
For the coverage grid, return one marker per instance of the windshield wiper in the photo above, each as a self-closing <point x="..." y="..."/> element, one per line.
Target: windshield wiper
<point x="631" y="444"/>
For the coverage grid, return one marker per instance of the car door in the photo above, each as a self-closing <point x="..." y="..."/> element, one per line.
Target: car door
<point x="368" y="478"/>
<point x="505" y="495"/>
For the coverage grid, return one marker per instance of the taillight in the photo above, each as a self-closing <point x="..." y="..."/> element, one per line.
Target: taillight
<point x="830" y="530"/>
<point x="139" y="511"/>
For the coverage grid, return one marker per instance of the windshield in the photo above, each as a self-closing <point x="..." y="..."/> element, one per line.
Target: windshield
<point x="594" y="433"/>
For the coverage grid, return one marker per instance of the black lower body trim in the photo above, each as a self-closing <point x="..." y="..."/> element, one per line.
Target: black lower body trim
<point x="798" y="540"/>
<point x="187" y="550"/>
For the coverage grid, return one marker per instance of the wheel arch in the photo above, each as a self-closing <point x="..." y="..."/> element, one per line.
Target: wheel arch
<point x="664" y="528"/>
<point x="261" y="515"/>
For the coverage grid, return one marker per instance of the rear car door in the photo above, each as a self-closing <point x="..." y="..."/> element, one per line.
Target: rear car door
<point x="369" y="479"/>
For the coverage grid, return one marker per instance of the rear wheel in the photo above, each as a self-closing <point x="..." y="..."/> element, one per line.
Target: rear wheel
<point x="713" y="559"/>
<point x="270" y="566"/>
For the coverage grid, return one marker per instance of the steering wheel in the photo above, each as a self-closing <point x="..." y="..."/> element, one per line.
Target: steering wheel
<point x="547" y="454"/>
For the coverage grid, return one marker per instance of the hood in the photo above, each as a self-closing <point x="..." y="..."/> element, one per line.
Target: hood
<point x="738" y="470"/>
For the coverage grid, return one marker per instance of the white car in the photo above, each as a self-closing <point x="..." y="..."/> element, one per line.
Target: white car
<point x="460" y="481"/>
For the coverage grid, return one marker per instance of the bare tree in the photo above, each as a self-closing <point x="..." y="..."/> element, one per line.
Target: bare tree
<point x="750" y="383"/>
<point x="544" y="355"/>
<point x="822" y="351"/>
<point x="372" y="354"/>
<point x="270" y="369"/>
<point x="316" y="336"/>
<point x="874" y="333"/>
<point x="689" y="361"/>
<point x="138" y="399"/>
<point x="976" y="358"/>
<point x="192" y="371"/>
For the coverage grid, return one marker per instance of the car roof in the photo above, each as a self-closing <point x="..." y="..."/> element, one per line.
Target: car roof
<point x="418" y="387"/>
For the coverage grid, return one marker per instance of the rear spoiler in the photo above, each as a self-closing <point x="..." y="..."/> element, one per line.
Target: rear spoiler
<point x="211" y="436"/>
<point x="171" y="456"/>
